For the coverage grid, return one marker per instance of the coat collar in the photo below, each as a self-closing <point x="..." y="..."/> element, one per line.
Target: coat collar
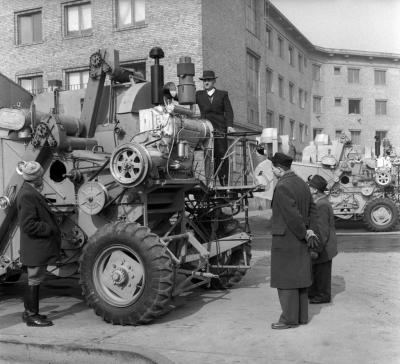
<point x="41" y="198"/>
<point x="287" y="175"/>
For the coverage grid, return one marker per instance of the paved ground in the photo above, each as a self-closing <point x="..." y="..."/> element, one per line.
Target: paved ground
<point x="361" y="325"/>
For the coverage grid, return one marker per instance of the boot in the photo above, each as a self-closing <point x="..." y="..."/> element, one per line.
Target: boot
<point x="31" y="315"/>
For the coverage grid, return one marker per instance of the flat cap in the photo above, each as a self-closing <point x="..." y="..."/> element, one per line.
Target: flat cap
<point x="318" y="182"/>
<point x="31" y="170"/>
<point x="280" y="159"/>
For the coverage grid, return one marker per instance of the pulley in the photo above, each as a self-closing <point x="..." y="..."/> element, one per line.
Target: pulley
<point x="130" y="164"/>
<point x="383" y="177"/>
<point x="92" y="197"/>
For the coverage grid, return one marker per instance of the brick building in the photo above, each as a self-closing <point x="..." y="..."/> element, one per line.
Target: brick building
<point x="274" y="75"/>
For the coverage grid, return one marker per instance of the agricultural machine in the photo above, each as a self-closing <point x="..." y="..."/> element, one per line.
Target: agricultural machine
<point x="361" y="186"/>
<point x="140" y="222"/>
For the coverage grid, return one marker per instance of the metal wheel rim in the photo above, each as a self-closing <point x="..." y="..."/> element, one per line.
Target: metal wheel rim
<point x="381" y="215"/>
<point x="101" y="276"/>
<point x="130" y="156"/>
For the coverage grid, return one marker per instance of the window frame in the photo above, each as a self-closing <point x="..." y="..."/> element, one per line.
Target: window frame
<point x="270" y="121"/>
<point x="317" y="110"/>
<point x="81" y="32"/>
<point x="281" y="125"/>
<point x="316" y="72"/>
<point x="359" y="106"/>
<point x="350" y="71"/>
<point x="253" y="99"/>
<point x="269" y="79"/>
<point x="335" y="99"/>
<point x="301" y="132"/>
<point x="358" y="136"/>
<point x="17" y="31"/>
<point x="291" y="54"/>
<point x="291" y="92"/>
<point x="79" y="70"/>
<point x="281" y="86"/>
<point x="281" y="47"/>
<point x="252" y="20"/>
<point x="376" y="72"/>
<point x="31" y="76"/>
<point x="380" y="102"/>
<point x="292" y="129"/>
<point x="133" y="24"/>
<point x="337" y="70"/>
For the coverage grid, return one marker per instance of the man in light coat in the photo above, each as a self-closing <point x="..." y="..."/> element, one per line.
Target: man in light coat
<point x="294" y="221"/>
<point x="320" y="291"/>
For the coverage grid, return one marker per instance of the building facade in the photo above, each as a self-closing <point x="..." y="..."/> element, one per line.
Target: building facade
<point x="274" y="75"/>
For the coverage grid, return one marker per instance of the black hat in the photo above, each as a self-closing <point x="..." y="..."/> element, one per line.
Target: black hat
<point x="318" y="182"/>
<point x="208" y="75"/>
<point x="282" y="160"/>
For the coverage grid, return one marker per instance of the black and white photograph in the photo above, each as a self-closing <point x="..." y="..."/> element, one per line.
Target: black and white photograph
<point x="199" y="181"/>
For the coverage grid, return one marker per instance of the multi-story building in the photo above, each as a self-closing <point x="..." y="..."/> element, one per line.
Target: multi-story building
<point x="274" y="75"/>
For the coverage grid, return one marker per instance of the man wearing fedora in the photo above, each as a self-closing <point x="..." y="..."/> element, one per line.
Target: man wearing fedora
<point x="320" y="291"/>
<point x="40" y="239"/>
<point x="294" y="221"/>
<point x="215" y="106"/>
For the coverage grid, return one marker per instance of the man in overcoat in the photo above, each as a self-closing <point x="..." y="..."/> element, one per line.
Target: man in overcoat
<point x="216" y="107"/>
<point x="40" y="239"/>
<point x="320" y="291"/>
<point x="294" y="221"/>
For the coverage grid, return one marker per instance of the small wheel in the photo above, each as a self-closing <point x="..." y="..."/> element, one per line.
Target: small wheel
<point x="381" y="214"/>
<point x="130" y="164"/>
<point x="383" y="178"/>
<point x="126" y="274"/>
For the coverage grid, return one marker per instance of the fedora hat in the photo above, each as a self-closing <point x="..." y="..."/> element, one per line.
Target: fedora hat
<point x="318" y="182"/>
<point x="208" y="75"/>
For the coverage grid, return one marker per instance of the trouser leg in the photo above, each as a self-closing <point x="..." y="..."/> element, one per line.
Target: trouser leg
<point x="289" y="300"/>
<point x="220" y="148"/>
<point x="323" y="278"/>
<point x="303" y="305"/>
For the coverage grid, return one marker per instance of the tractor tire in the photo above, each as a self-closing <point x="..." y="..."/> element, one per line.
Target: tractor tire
<point x="380" y="215"/>
<point x="126" y="274"/>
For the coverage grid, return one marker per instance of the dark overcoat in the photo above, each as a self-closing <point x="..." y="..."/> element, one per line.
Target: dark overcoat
<point x="326" y="227"/>
<point x="40" y="234"/>
<point x="293" y="212"/>
<point x="219" y="112"/>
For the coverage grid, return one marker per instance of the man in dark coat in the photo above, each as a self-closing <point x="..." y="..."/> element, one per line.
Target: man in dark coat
<point x="320" y="291"/>
<point x="40" y="239"/>
<point x="215" y="106"/>
<point x="294" y="221"/>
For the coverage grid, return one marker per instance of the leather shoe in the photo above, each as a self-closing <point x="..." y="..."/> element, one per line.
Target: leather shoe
<point x="319" y="300"/>
<point x="26" y="314"/>
<point x="282" y="326"/>
<point x="35" y="320"/>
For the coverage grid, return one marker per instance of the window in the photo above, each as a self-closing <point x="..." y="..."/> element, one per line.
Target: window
<point x="280" y="86"/>
<point x="355" y="136"/>
<point x="338" y="133"/>
<point x="269" y="80"/>
<point x="380" y="107"/>
<point x="136" y="66"/>
<point x="291" y="92"/>
<point x="300" y="62"/>
<point x="301" y="98"/>
<point x="338" y="101"/>
<point x="354" y="106"/>
<point x="291" y="55"/>
<point x="281" y="126"/>
<point x="316" y="131"/>
<point x="380" y="77"/>
<point x="336" y="71"/>
<point x="292" y="123"/>
<point x="75" y="80"/>
<point x="130" y="13"/>
<point x="316" y="72"/>
<point x="251" y="17"/>
<point x="280" y="44"/>
<point x="34" y="84"/>
<point x="306" y="130"/>
<point x="270" y="119"/>
<point x="353" y="75"/>
<point x="78" y="19"/>
<point x="269" y="38"/>
<point x="317" y="104"/>
<point x="380" y="135"/>
<point x="305" y="62"/>
<point x="29" y="27"/>
<point x="252" y="88"/>
<point x="301" y="133"/>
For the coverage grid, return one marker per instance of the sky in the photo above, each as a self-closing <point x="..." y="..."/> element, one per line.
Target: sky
<point x="364" y="25"/>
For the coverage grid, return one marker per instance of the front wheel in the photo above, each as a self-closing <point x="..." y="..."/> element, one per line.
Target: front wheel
<point x="126" y="274"/>
<point x="380" y="215"/>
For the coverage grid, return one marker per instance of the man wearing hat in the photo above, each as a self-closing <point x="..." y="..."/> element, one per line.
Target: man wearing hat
<point x="40" y="238"/>
<point x="294" y="222"/>
<point x="320" y="291"/>
<point x="215" y="106"/>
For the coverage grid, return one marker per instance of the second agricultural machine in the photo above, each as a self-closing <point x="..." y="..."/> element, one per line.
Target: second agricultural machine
<point x="140" y="224"/>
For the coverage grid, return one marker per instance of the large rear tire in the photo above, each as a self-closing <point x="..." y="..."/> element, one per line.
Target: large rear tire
<point x="380" y="215"/>
<point x="126" y="274"/>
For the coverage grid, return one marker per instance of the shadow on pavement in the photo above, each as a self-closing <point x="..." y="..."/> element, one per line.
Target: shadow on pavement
<point x="338" y="286"/>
